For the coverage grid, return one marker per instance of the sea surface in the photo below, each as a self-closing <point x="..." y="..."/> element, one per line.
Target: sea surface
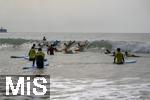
<point x="88" y="75"/>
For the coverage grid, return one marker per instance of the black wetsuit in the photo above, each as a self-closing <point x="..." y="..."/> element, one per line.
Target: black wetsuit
<point x="51" y="50"/>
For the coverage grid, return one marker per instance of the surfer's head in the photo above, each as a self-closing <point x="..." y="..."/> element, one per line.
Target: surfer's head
<point x="40" y="49"/>
<point x="32" y="47"/>
<point x="118" y="49"/>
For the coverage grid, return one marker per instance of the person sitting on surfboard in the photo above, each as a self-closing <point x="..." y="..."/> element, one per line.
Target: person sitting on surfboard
<point x="40" y="58"/>
<point x="119" y="58"/>
<point x="32" y="54"/>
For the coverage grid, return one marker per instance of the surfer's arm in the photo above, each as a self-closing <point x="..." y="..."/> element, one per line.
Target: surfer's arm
<point x="114" y="59"/>
<point x="29" y="53"/>
<point x="123" y="58"/>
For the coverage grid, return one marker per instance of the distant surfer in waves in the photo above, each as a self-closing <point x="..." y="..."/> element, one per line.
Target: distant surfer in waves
<point x="127" y="54"/>
<point x="118" y="58"/>
<point x="66" y="49"/>
<point x="107" y="51"/>
<point x="69" y="44"/>
<point x="51" y="49"/>
<point x="44" y="38"/>
<point x="44" y="42"/>
<point x="81" y="46"/>
<point x="55" y="43"/>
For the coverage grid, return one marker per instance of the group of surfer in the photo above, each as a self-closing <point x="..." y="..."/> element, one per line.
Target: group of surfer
<point x="39" y="56"/>
<point x="36" y="56"/>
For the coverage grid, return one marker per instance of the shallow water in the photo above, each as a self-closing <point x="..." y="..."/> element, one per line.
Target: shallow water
<point x="84" y="76"/>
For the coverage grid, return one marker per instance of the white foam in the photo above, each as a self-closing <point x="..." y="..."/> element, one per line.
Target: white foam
<point x="86" y="89"/>
<point x="3" y="46"/>
<point x="101" y="45"/>
<point x="139" y="47"/>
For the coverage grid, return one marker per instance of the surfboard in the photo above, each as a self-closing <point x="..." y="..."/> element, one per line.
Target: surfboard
<point x="35" y="66"/>
<point x="130" y="61"/>
<point x="27" y="58"/>
<point x="16" y="56"/>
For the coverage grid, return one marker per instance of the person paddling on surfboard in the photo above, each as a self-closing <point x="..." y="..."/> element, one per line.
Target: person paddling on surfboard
<point x="127" y="54"/>
<point x="119" y="58"/>
<point x="40" y="58"/>
<point x="32" y="54"/>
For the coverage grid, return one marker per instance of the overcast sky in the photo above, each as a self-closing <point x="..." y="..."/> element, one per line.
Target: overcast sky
<point x="75" y="15"/>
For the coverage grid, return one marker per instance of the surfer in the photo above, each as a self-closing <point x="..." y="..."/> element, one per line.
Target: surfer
<point x="40" y="58"/>
<point x="118" y="58"/>
<point x="55" y="43"/>
<point x="44" y="42"/>
<point x="34" y="45"/>
<point x="107" y="51"/>
<point x="39" y="45"/>
<point x="50" y="50"/>
<point x="69" y="44"/>
<point x="127" y="54"/>
<point x="44" y="38"/>
<point x="32" y="54"/>
<point x="81" y="47"/>
<point x="66" y="49"/>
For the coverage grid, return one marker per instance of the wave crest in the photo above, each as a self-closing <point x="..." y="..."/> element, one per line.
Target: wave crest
<point x="132" y="46"/>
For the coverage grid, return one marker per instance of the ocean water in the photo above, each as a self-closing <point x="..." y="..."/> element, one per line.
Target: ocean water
<point x="89" y="75"/>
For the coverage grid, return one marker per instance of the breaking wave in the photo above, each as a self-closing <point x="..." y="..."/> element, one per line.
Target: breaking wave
<point x="132" y="46"/>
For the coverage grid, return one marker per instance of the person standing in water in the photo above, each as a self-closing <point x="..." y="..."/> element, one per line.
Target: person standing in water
<point x="32" y="54"/>
<point x="50" y="50"/>
<point x="119" y="58"/>
<point x="40" y="58"/>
